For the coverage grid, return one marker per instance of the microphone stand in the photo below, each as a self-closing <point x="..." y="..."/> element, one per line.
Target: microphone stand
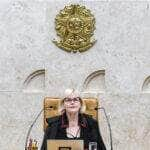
<point x="110" y="132"/>
<point x="31" y="126"/>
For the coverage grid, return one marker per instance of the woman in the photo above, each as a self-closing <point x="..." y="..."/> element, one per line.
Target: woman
<point x="73" y="124"/>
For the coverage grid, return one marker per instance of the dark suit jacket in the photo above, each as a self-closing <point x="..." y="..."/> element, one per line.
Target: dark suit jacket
<point x="89" y="130"/>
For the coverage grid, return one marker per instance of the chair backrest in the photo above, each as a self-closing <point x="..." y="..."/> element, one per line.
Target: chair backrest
<point x="51" y="108"/>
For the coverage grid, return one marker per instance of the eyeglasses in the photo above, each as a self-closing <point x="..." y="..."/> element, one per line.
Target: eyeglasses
<point x="69" y="100"/>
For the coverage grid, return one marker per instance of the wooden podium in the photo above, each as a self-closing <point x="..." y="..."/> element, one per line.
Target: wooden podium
<point x="65" y="144"/>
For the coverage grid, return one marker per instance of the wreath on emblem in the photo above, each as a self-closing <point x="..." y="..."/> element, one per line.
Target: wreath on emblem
<point x="75" y="26"/>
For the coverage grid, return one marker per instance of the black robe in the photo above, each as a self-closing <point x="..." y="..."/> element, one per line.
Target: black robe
<point x="89" y="130"/>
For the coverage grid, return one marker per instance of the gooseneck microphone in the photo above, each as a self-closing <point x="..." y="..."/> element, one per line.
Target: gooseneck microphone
<point x="110" y="132"/>
<point x="50" y="107"/>
<point x="31" y="126"/>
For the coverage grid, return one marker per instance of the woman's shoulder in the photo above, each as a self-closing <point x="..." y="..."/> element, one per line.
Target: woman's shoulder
<point x="89" y="119"/>
<point x="52" y="120"/>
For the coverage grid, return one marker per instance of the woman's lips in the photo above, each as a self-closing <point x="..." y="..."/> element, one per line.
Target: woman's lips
<point x="72" y="107"/>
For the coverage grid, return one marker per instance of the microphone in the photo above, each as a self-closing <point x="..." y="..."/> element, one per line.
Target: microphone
<point x="31" y="126"/>
<point x="108" y="123"/>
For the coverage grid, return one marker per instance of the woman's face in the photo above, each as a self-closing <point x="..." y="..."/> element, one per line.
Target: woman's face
<point x="72" y="104"/>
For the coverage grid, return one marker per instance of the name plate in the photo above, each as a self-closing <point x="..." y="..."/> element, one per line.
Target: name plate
<point x="65" y="144"/>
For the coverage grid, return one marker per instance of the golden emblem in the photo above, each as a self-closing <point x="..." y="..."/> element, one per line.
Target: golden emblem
<point x="75" y="26"/>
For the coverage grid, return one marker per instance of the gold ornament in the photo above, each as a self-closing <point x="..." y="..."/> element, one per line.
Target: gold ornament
<point x="75" y="26"/>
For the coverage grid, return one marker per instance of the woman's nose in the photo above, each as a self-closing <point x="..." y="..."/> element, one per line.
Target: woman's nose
<point x="72" y="101"/>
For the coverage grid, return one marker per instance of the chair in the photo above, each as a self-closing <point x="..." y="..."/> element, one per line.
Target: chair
<point x="51" y="106"/>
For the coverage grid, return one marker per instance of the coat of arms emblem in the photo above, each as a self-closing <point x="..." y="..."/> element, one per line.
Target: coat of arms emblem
<point x="75" y="26"/>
